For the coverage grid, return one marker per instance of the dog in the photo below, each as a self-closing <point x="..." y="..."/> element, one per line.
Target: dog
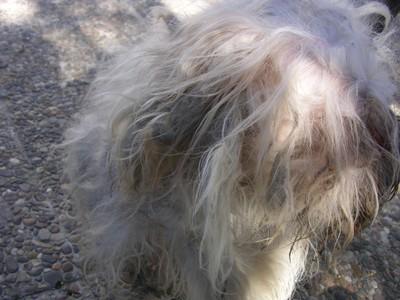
<point x="217" y="160"/>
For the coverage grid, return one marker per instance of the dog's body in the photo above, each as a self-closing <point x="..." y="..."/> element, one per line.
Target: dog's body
<point x="218" y="155"/>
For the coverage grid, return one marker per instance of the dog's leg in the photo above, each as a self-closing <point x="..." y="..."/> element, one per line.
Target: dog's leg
<point x="271" y="275"/>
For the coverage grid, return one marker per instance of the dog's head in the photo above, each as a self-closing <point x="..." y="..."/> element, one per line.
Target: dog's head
<point x="273" y="115"/>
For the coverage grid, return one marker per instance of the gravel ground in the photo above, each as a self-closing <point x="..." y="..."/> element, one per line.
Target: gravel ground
<point x="48" y="53"/>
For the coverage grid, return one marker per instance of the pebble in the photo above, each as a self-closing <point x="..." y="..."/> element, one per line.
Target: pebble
<point x="28" y="221"/>
<point x="25" y="187"/>
<point x="70" y="276"/>
<point x="41" y="244"/>
<point x="58" y="236"/>
<point x="66" y="248"/>
<point x="20" y="238"/>
<point x="32" y="255"/>
<point x="44" y="235"/>
<point x="6" y="173"/>
<point x="67" y="267"/>
<point x="28" y="266"/>
<point x="11" y="264"/>
<point x="35" y="271"/>
<point x="17" y="220"/>
<point x="48" y="259"/>
<point x="22" y="259"/>
<point x="3" y="61"/>
<point x="54" y="229"/>
<point x="11" y="278"/>
<point x="53" y="278"/>
<point x="40" y="224"/>
<point x="16" y="210"/>
<point x="32" y="288"/>
<point x="14" y="161"/>
<point x="20" y="202"/>
<point x="10" y="196"/>
<point x="74" y="288"/>
<point x="22" y="276"/>
<point x="57" y="266"/>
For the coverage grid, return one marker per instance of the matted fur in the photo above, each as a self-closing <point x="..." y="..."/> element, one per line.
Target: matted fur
<point x="217" y="155"/>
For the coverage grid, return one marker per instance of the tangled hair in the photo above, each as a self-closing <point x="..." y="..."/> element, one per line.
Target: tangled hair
<point x="222" y="151"/>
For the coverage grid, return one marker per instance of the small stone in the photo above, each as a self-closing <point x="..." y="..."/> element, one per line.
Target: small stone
<point x="16" y="210"/>
<point x="75" y="248"/>
<point x="58" y="236"/>
<point x="54" y="229"/>
<point x="67" y="267"/>
<point x="36" y="271"/>
<point x="43" y="219"/>
<point x="10" y="196"/>
<point x="20" y="202"/>
<point x="340" y="295"/>
<point x="57" y="266"/>
<point x="44" y="149"/>
<point x="53" y="278"/>
<point x="44" y="235"/>
<point x="22" y="259"/>
<point x="40" y="224"/>
<point x="14" y="161"/>
<point x="11" y="264"/>
<point x="25" y="187"/>
<point x="41" y="244"/>
<point x="6" y="173"/>
<point x="70" y="277"/>
<point x="32" y="288"/>
<point x="384" y="236"/>
<point x="28" y="266"/>
<point x="32" y="254"/>
<point x="3" y="62"/>
<point x="66" y="248"/>
<point x="74" y="288"/>
<point x="23" y="277"/>
<point x="11" y="278"/>
<point x="20" y="238"/>
<point x="49" y="259"/>
<point x="28" y="221"/>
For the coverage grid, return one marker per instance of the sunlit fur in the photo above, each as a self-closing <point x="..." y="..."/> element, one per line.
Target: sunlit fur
<point x="213" y="158"/>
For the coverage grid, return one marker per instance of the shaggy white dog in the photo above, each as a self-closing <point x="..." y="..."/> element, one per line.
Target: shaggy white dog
<point x="212" y="159"/>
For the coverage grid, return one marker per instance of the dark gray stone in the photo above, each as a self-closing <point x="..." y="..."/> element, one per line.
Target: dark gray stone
<point x="67" y="267"/>
<point x="36" y="271"/>
<point x="66" y="248"/>
<point x="43" y="234"/>
<point x="11" y="264"/>
<point x="53" y="278"/>
<point x="48" y="259"/>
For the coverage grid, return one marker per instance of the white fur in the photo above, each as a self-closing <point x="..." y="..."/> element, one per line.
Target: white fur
<point x="218" y="154"/>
